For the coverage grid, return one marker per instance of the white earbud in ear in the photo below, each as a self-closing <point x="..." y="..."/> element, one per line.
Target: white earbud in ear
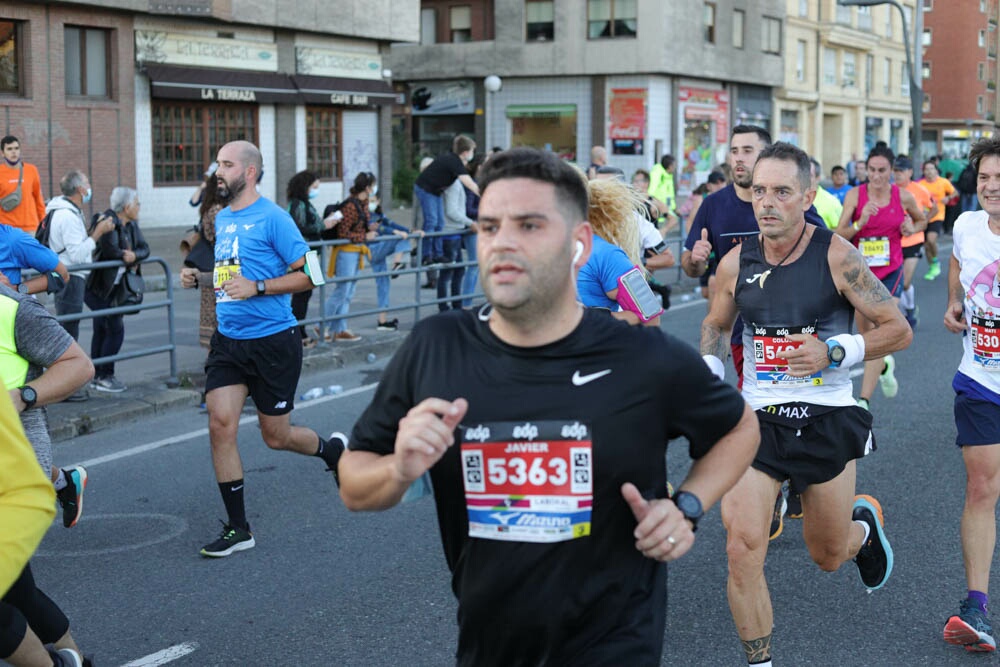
<point x="579" y="251"/>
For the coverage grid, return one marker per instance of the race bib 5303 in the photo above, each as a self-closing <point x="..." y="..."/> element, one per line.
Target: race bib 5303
<point x="985" y="343"/>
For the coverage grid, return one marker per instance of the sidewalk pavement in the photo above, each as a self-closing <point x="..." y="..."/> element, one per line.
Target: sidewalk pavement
<point x="152" y="390"/>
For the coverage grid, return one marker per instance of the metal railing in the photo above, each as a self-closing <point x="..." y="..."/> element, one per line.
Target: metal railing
<point x="417" y="267"/>
<point x="170" y="348"/>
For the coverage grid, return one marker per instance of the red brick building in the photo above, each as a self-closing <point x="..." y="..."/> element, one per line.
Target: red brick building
<point x="143" y="94"/>
<point x="960" y="72"/>
<point x="67" y="92"/>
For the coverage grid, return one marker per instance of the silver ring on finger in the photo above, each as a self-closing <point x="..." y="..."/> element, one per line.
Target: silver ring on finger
<point x="671" y="541"/>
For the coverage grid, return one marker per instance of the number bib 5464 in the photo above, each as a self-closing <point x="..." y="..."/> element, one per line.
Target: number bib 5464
<point x="528" y="482"/>
<point x="875" y="250"/>
<point x="770" y="344"/>
<point x="986" y="343"/>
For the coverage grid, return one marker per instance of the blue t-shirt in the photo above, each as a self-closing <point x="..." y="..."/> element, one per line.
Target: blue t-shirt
<point x="607" y="263"/>
<point x="840" y="192"/>
<point x="729" y="220"/>
<point x="19" y="250"/>
<point x="258" y="242"/>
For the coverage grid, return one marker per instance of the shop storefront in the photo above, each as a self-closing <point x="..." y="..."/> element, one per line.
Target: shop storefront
<point x="441" y="110"/>
<point x="548" y="126"/>
<point x="704" y="132"/>
<point x="195" y="92"/>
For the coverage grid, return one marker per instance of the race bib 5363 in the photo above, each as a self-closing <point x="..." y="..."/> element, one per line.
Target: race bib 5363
<point x="528" y="481"/>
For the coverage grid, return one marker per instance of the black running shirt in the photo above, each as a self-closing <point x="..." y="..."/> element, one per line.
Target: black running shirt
<point x="613" y="395"/>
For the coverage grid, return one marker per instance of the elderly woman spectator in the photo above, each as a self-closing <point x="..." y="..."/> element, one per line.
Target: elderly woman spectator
<point x="123" y="243"/>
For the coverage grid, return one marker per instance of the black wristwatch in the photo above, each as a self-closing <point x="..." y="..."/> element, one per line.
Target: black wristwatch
<point x="22" y="288"/>
<point x="261" y="288"/>
<point x="835" y="353"/>
<point x="690" y="507"/>
<point x="28" y="396"/>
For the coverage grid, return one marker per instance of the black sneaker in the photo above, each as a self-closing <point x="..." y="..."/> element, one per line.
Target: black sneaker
<point x="388" y="325"/>
<point x="874" y="559"/>
<point x="232" y="539"/>
<point x="71" y="496"/>
<point x="970" y="628"/>
<point x="778" y="517"/>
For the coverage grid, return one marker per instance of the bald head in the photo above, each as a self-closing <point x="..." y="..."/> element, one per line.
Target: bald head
<point x="246" y="153"/>
<point x="240" y="164"/>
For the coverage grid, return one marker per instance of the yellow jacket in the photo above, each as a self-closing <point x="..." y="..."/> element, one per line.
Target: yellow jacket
<point x="27" y="498"/>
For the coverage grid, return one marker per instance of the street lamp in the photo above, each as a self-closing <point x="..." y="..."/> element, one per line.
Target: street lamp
<point x="492" y="84"/>
<point x="916" y="93"/>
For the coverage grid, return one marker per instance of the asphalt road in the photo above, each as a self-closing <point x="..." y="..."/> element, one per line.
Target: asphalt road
<point x="326" y="587"/>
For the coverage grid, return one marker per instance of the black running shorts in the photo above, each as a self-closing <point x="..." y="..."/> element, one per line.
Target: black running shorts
<point x="812" y="449"/>
<point x="268" y="366"/>
<point x="937" y="227"/>
<point x="910" y="251"/>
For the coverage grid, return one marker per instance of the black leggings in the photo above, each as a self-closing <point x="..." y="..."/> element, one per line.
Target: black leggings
<point x="25" y="605"/>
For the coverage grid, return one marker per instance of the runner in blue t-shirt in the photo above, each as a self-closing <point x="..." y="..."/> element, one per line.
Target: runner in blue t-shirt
<point x="20" y="250"/>
<point x="257" y="350"/>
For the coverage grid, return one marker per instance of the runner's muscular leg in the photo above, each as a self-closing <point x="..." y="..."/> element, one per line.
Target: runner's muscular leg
<point x="225" y="404"/>
<point x="278" y="433"/>
<point x="830" y="534"/>
<point x="978" y="528"/>
<point x="746" y="514"/>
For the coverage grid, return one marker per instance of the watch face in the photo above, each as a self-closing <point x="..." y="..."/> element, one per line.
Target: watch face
<point x="837" y="354"/>
<point x="28" y="395"/>
<point x="688" y="504"/>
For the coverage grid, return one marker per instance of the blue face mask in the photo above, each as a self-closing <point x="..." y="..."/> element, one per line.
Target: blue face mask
<point x="313" y="194"/>
<point x="88" y="196"/>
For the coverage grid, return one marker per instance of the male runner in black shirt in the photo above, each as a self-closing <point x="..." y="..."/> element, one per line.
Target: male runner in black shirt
<point x="544" y="427"/>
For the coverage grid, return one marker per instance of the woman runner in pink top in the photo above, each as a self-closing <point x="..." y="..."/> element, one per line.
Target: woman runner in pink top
<point x="876" y="216"/>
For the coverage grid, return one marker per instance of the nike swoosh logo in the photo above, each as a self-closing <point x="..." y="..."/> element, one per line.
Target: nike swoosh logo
<point x="235" y="488"/>
<point x="580" y="380"/>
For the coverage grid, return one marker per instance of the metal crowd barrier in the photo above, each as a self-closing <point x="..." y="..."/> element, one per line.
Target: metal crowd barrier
<point x="147" y="304"/>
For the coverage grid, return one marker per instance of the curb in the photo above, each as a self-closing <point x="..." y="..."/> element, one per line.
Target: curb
<point x="103" y="411"/>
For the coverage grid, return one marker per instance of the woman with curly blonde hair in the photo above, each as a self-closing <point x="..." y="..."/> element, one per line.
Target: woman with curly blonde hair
<point x="617" y="246"/>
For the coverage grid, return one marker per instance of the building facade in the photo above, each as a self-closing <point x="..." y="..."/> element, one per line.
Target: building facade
<point x="846" y="82"/>
<point x="145" y="96"/>
<point x="960" y="41"/>
<point x="642" y="78"/>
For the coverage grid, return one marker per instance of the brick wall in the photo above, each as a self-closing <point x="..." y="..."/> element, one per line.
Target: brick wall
<point x="95" y="135"/>
<point x="954" y="56"/>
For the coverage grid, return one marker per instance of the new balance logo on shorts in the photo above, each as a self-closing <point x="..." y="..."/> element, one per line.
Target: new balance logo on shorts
<point x="280" y="405"/>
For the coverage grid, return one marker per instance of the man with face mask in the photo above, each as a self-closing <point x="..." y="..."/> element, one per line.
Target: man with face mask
<point x="73" y="243"/>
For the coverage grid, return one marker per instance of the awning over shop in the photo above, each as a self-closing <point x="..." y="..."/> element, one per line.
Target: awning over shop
<point x="540" y="110"/>
<point x="216" y="85"/>
<point x="350" y="92"/>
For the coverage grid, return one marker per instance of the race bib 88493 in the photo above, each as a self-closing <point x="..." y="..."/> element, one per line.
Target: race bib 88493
<point x="528" y="481"/>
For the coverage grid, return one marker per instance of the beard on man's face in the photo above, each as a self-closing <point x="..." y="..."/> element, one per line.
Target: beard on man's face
<point x="228" y="191"/>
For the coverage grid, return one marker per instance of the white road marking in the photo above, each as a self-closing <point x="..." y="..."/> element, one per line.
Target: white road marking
<point x="164" y="656"/>
<point x="202" y="432"/>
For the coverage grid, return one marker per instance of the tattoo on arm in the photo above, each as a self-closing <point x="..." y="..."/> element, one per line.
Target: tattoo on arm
<point x="758" y="650"/>
<point x="713" y="341"/>
<point x="862" y="280"/>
